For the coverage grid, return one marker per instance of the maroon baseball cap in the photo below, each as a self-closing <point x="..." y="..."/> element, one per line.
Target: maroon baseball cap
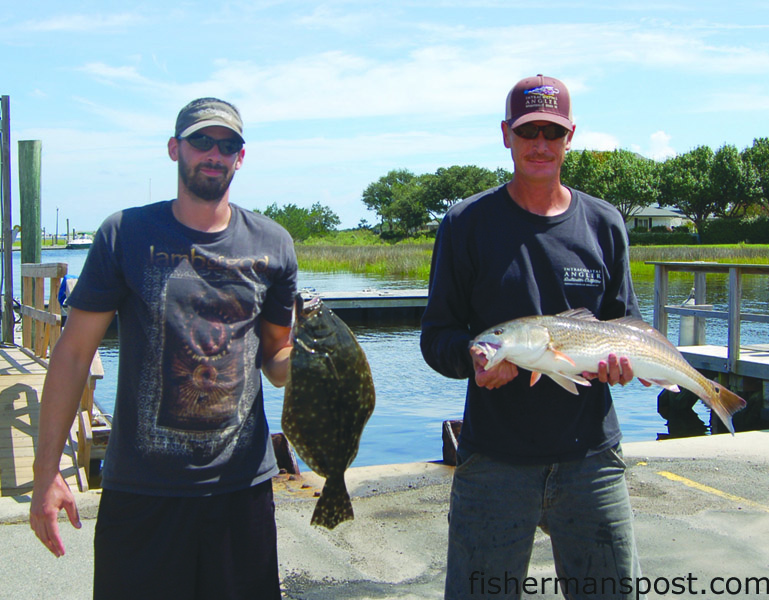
<point x="539" y="98"/>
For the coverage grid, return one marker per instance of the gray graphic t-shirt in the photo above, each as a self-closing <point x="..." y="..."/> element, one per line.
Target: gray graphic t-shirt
<point x="189" y="414"/>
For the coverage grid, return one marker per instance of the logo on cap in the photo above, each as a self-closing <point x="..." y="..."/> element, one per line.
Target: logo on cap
<point x="544" y="96"/>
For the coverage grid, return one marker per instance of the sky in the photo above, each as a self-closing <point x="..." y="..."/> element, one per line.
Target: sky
<point x="334" y="94"/>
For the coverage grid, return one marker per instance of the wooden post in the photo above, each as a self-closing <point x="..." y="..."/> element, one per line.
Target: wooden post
<point x="735" y="299"/>
<point x="699" y="298"/>
<point x="30" y="152"/>
<point x="5" y="195"/>
<point x="660" y="298"/>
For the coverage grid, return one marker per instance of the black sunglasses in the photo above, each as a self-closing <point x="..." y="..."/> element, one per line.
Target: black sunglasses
<point x="204" y="143"/>
<point x="551" y="131"/>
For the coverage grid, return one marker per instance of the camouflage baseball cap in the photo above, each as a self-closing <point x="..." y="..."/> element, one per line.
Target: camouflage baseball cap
<point x="208" y="112"/>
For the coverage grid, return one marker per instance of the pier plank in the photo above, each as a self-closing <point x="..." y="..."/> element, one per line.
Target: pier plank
<point x="21" y="384"/>
<point x="753" y="361"/>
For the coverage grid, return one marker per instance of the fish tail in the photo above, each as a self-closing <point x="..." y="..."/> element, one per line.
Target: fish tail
<point x="334" y="505"/>
<point x="724" y="403"/>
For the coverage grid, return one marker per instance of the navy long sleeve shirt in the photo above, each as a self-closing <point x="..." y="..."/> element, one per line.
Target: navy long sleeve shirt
<point x="493" y="262"/>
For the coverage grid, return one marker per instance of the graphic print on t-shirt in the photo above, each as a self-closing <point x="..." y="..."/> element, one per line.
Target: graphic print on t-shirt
<point x="203" y="354"/>
<point x="199" y="379"/>
<point x="582" y="277"/>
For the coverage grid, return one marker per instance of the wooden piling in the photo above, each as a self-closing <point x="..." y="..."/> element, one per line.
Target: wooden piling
<point x="30" y="152"/>
<point x="5" y="195"/>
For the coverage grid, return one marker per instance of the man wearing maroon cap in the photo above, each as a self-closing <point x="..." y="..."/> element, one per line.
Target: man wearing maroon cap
<point x="533" y="455"/>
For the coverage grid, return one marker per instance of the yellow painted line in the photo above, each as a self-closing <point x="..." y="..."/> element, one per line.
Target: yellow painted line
<point x="711" y="490"/>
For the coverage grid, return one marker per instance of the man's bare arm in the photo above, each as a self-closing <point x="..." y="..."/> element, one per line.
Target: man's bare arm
<point x="276" y="349"/>
<point x="67" y="374"/>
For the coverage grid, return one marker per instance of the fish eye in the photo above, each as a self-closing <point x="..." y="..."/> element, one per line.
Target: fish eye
<point x="497" y="332"/>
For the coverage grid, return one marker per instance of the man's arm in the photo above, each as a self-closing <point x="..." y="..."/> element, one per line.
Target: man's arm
<point x="67" y="373"/>
<point x="276" y="350"/>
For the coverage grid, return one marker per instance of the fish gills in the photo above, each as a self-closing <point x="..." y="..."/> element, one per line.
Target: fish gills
<point x="328" y="400"/>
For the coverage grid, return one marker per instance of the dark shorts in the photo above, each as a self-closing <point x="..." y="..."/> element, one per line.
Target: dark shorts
<point x="222" y="546"/>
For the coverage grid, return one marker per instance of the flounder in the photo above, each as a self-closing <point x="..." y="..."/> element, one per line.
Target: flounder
<point x="328" y="400"/>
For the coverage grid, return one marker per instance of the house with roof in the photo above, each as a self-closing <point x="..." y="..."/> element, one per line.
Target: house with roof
<point x="656" y="216"/>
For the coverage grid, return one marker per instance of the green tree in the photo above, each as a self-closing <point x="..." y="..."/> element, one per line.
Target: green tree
<point x="405" y="202"/>
<point x="379" y="197"/>
<point x="687" y="185"/>
<point x="629" y="181"/>
<point x="303" y="223"/>
<point x="503" y="175"/>
<point x="583" y="170"/>
<point x="758" y="156"/>
<point x="450" y="185"/>
<point x="407" y="212"/>
<point x="626" y="179"/>
<point x="322" y="220"/>
<point x="735" y="182"/>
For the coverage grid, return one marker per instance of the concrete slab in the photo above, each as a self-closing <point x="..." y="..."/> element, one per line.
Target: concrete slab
<point x="701" y="514"/>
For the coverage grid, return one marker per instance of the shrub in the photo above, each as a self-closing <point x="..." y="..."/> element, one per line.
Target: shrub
<point x="678" y="238"/>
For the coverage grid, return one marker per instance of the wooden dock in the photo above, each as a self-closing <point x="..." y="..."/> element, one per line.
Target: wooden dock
<point x="738" y="366"/>
<point x="734" y="358"/>
<point x="23" y="368"/>
<point x="375" y="306"/>
<point x="21" y="383"/>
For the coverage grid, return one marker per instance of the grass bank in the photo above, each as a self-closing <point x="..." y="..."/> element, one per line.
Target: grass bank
<point x="757" y="254"/>
<point x="411" y="260"/>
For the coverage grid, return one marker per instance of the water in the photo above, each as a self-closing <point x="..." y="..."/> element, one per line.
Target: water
<point x="413" y="401"/>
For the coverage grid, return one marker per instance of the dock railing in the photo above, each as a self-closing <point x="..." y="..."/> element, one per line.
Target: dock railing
<point x="733" y="314"/>
<point x="41" y="323"/>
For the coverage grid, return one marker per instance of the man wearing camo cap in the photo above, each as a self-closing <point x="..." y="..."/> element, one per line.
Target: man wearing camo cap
<point x="203" y="290"/>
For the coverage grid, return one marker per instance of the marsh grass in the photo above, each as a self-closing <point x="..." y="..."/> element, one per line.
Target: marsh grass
<point x="412" y="260"/>
<point x="757" y="254"/>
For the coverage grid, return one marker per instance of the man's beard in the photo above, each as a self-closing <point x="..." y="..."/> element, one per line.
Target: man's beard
<point x="205" y="188"/>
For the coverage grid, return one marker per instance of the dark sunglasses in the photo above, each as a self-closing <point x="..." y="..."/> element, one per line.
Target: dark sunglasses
<point x="551" y="131"/>
<point x="204" y="143"/>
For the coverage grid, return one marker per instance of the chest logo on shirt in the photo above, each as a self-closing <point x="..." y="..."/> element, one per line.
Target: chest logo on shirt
<point x="579" y="276"/>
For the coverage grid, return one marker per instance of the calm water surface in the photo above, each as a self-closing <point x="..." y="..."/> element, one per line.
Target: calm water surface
<point x="413" y="400"/>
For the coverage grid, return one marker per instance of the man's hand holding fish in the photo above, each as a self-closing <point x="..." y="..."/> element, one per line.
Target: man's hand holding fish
<point x="615" y="370"/>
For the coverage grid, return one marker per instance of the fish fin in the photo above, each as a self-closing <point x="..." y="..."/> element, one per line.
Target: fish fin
<point x="334" y="505"/>
<point x="582" y="314"/>
<point x="724" y="403"/>
<point x="568" y="382"/>
<point x="668" y="385"/>
<point x="535" y="375"/>
<point x="564" y="357"/>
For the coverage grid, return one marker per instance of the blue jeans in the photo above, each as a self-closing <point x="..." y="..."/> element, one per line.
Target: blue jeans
<point x="583" y="505"/>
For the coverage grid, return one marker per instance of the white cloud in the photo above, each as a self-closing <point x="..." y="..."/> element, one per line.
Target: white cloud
<point x="394" y="148"/>
<point x="594" y="140"/>
<point x="342" y="21"/>
<point x="659" y="146"/>
<point x="83" y="23"/>
<point x="116" y="75"/>
<point x="467" y="72"/>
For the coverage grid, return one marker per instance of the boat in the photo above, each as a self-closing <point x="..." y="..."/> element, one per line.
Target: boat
<point x="81" y="241"/>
